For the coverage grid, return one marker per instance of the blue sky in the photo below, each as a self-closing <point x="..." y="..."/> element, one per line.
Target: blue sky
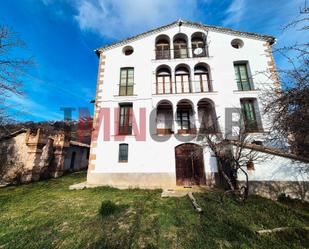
<point x="61" y="36"/>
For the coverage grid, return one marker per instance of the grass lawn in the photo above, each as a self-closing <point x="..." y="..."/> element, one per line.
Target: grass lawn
<point x="48" y="215"/>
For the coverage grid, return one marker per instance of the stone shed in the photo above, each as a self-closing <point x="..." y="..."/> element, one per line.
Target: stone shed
<point x="27" y="156"/>
<point x="76" y="157"/>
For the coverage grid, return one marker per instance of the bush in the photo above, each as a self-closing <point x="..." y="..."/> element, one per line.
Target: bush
<point x="283" y="198"/>
<point x="107" y="208"/>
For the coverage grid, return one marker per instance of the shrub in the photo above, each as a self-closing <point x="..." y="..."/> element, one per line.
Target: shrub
<point x="107" y="208"/>
<point x="283" y="197"/>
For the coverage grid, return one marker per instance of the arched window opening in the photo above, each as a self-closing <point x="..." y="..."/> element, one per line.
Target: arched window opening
<point x="180" y="46"/>
<point x="207" y="117"/>
<point x="164" y="118"/>
<point x="202" y="79"/>
<point x="164" y="81"/>
<point x="163" y="47"/>
<point x="182" y="79"/>
<point x="198" y="43"/>
<point x="185" y="117"/>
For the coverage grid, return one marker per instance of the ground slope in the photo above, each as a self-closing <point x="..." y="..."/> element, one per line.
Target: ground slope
<point x="48" y="215"/>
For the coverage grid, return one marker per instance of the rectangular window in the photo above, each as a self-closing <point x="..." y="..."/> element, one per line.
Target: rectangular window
<point x="123" y="152"/>
<point x="125" y="119"/>
<point x="242" y="78"/>
<point x="249" y="115"/>
<point x="183" y="117"/>
<point x="183" y="83"/>
<point x="126" y="81"/>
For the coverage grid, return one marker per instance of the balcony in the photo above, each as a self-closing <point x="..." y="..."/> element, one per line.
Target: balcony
<point x="163" y="54"/>
<point x="181" y="53"/>
<point x="183" y="87"/>
<point x="200" y="52"/>
<point x="186" y="121"/>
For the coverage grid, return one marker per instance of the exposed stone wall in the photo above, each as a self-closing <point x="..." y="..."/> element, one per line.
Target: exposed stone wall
<point x="101" y="71"/>
<point x="271" y="64"/>
<point x="60" y="148"/>
<point x="275" y="172"/>
<point x="272" y="189"/>
<point x="45" y="159"/>
<point x="80" y="161"/>
<point x="27" y="156"/>
<point x="13" y="157"/>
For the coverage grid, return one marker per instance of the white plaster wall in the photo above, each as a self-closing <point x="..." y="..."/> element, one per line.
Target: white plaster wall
<point x="153" y="156"/>
<point x="276" y="168"/>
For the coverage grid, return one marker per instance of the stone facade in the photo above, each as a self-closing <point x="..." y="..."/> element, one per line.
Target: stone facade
<point x="100" y="77"/>
<point x="27" y="156"/>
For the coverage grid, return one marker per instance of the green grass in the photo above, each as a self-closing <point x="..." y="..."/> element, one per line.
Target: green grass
<point x="48" y="215"/>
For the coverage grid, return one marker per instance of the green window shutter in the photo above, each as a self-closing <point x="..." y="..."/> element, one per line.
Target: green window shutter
<point x="242" y="78"/>
<point x="249" y="115"/>
<point x="238" y="79"/>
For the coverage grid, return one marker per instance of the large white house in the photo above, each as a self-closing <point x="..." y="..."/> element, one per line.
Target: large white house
<point x="157" y="90"/>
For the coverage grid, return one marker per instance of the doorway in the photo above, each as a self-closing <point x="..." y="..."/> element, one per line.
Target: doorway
<point x="189" y="165"/>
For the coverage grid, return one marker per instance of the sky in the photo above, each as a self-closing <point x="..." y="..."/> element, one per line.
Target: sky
<point x="61" y="36"/>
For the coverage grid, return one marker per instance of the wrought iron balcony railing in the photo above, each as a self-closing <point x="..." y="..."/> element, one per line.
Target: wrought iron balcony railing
<point x="183" y="87"/>
<point x="181" y="53"/>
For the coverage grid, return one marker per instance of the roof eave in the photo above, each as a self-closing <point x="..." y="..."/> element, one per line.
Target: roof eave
<point x="267" y="38"/>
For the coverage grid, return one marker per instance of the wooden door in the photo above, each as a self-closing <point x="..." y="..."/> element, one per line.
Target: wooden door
<point x="189" y="165"/>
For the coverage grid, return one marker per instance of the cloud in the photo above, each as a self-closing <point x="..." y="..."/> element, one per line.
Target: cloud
<point x="117" y="19"/>
<point x="26" y="108"/>
<point x="47" y="2"/>
<point x="234" y="13"/>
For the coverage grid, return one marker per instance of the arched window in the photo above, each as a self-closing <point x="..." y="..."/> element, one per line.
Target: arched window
<point x="201" y="78"/>
<point x="180" y="46"/>
<point x="163" y="47"/>
<point x="164" y="117"/>
<point x="207" y="116"/>
<point x="185" y="117"/>
<point x="182" y="79"/>
<point x="164" y="81"/>
<point x="198" y="43"/>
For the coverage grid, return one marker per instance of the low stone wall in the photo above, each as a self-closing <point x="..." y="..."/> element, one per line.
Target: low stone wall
<point x="272" y="189"/>
<point x="277" y="173"/>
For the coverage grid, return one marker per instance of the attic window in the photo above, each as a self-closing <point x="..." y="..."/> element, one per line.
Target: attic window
<point x="128" y="50"/>
<point x="237" y="43"/>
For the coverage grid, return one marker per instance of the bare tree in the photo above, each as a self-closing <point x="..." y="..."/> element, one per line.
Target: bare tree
<point x="288" y="105"/>
<point x="235" y="149"/>
<point x="12" y="67"/>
